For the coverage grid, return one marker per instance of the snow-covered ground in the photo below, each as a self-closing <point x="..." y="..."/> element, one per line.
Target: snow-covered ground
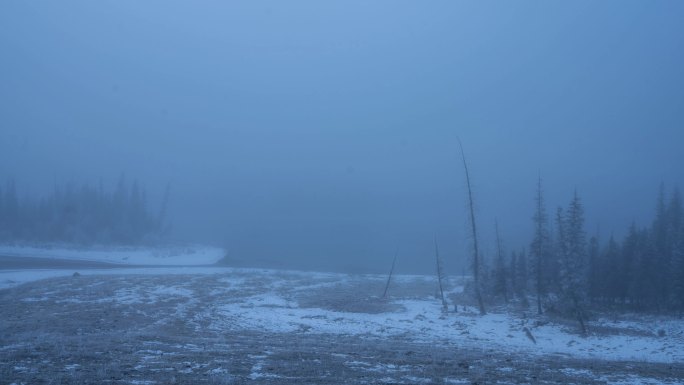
<point x="175" y="324"/>
<point x="420" y="320"/>
<point x="170" y="255"/>
<point x="280" y="302"/>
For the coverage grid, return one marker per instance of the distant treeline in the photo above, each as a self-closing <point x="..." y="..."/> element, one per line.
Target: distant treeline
<point x="82" y="215"/>
<point x="564" y="272"/>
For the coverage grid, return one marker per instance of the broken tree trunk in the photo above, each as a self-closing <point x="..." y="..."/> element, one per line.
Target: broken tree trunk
<point x="389" y="277"/>
<point x="440" y="277"/>
<point x="529" y="335"/>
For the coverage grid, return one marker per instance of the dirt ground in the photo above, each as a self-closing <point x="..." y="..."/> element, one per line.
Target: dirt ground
<point x="68" y="331"/>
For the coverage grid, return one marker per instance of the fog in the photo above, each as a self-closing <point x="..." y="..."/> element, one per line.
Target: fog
<point x="325" y="135"/>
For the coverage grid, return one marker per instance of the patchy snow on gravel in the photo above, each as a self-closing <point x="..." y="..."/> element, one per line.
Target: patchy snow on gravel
<point x="617" y="379"/>
<point x="421" y="320"/>
<point x="274" y="301"/>
<point x="12" y="278"/>
<point x="136" y="295"/>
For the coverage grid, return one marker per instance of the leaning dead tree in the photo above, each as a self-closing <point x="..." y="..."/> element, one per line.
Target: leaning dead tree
<point x="440" y="277"/>
<point x="473" y="227"/>
<point x="389" y="277"/>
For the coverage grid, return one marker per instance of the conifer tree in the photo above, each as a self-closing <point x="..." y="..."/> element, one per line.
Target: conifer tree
<point x="522" y="277"/>
<point x="678" y="272"/>
<point x="539" y="246"/>
<point x="500" y="273"/>
<point x="614" y="273"/>
<point x="513" y="269"/>
<point x="595" y="281"/>
<point x="572" y="259"/>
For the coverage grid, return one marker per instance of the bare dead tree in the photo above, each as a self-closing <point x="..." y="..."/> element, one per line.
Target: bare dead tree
<point x="473" y="227"/>
<point x="440" y="277"/>
<point x="389" y="277"/>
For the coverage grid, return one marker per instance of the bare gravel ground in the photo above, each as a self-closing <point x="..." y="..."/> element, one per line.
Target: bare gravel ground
<point x="166" y="329"/>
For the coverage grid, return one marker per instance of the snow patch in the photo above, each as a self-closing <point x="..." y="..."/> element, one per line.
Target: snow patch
<point x="171" y="255"/>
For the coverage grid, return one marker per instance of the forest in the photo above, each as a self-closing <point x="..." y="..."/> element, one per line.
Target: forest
<point x="82" y="215"/>
<point x="569" y="272"/>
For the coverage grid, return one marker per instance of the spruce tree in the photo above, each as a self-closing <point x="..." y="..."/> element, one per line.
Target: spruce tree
<point x="678" y="272"/>
<point x="572" y="259"/>
<point x="513" y="272"/>
<point x="500" y="273"/>
<point x="595" y="285"/>
<point x="614" y="272"/>
<point x="522" y="277"/>
<point x="539" y="246"/>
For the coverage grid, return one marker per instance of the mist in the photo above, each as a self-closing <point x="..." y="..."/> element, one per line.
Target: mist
<point x="324" y="136"/>
<point x="447" y="192"/>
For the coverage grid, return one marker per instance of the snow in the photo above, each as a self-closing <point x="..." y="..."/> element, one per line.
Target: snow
<point x="139" y="295"/>
<point x="456" y="381"/>
<point x="256" y="372"/>
<point x="421" y="320"/>
<point x="617" y="379"/>
<point x="271" y="301"/>
<point x="171" y="255"/>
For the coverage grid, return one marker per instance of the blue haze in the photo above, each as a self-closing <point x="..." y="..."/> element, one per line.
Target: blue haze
<point x="324" y="134"/>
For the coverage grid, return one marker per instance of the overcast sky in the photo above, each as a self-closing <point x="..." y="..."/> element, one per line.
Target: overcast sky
<point x="324" y="134"/>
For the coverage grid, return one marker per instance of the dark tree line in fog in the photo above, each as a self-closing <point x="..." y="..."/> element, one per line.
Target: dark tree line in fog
<point x="566" y="272"/>
<point x="83" y="214"/>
